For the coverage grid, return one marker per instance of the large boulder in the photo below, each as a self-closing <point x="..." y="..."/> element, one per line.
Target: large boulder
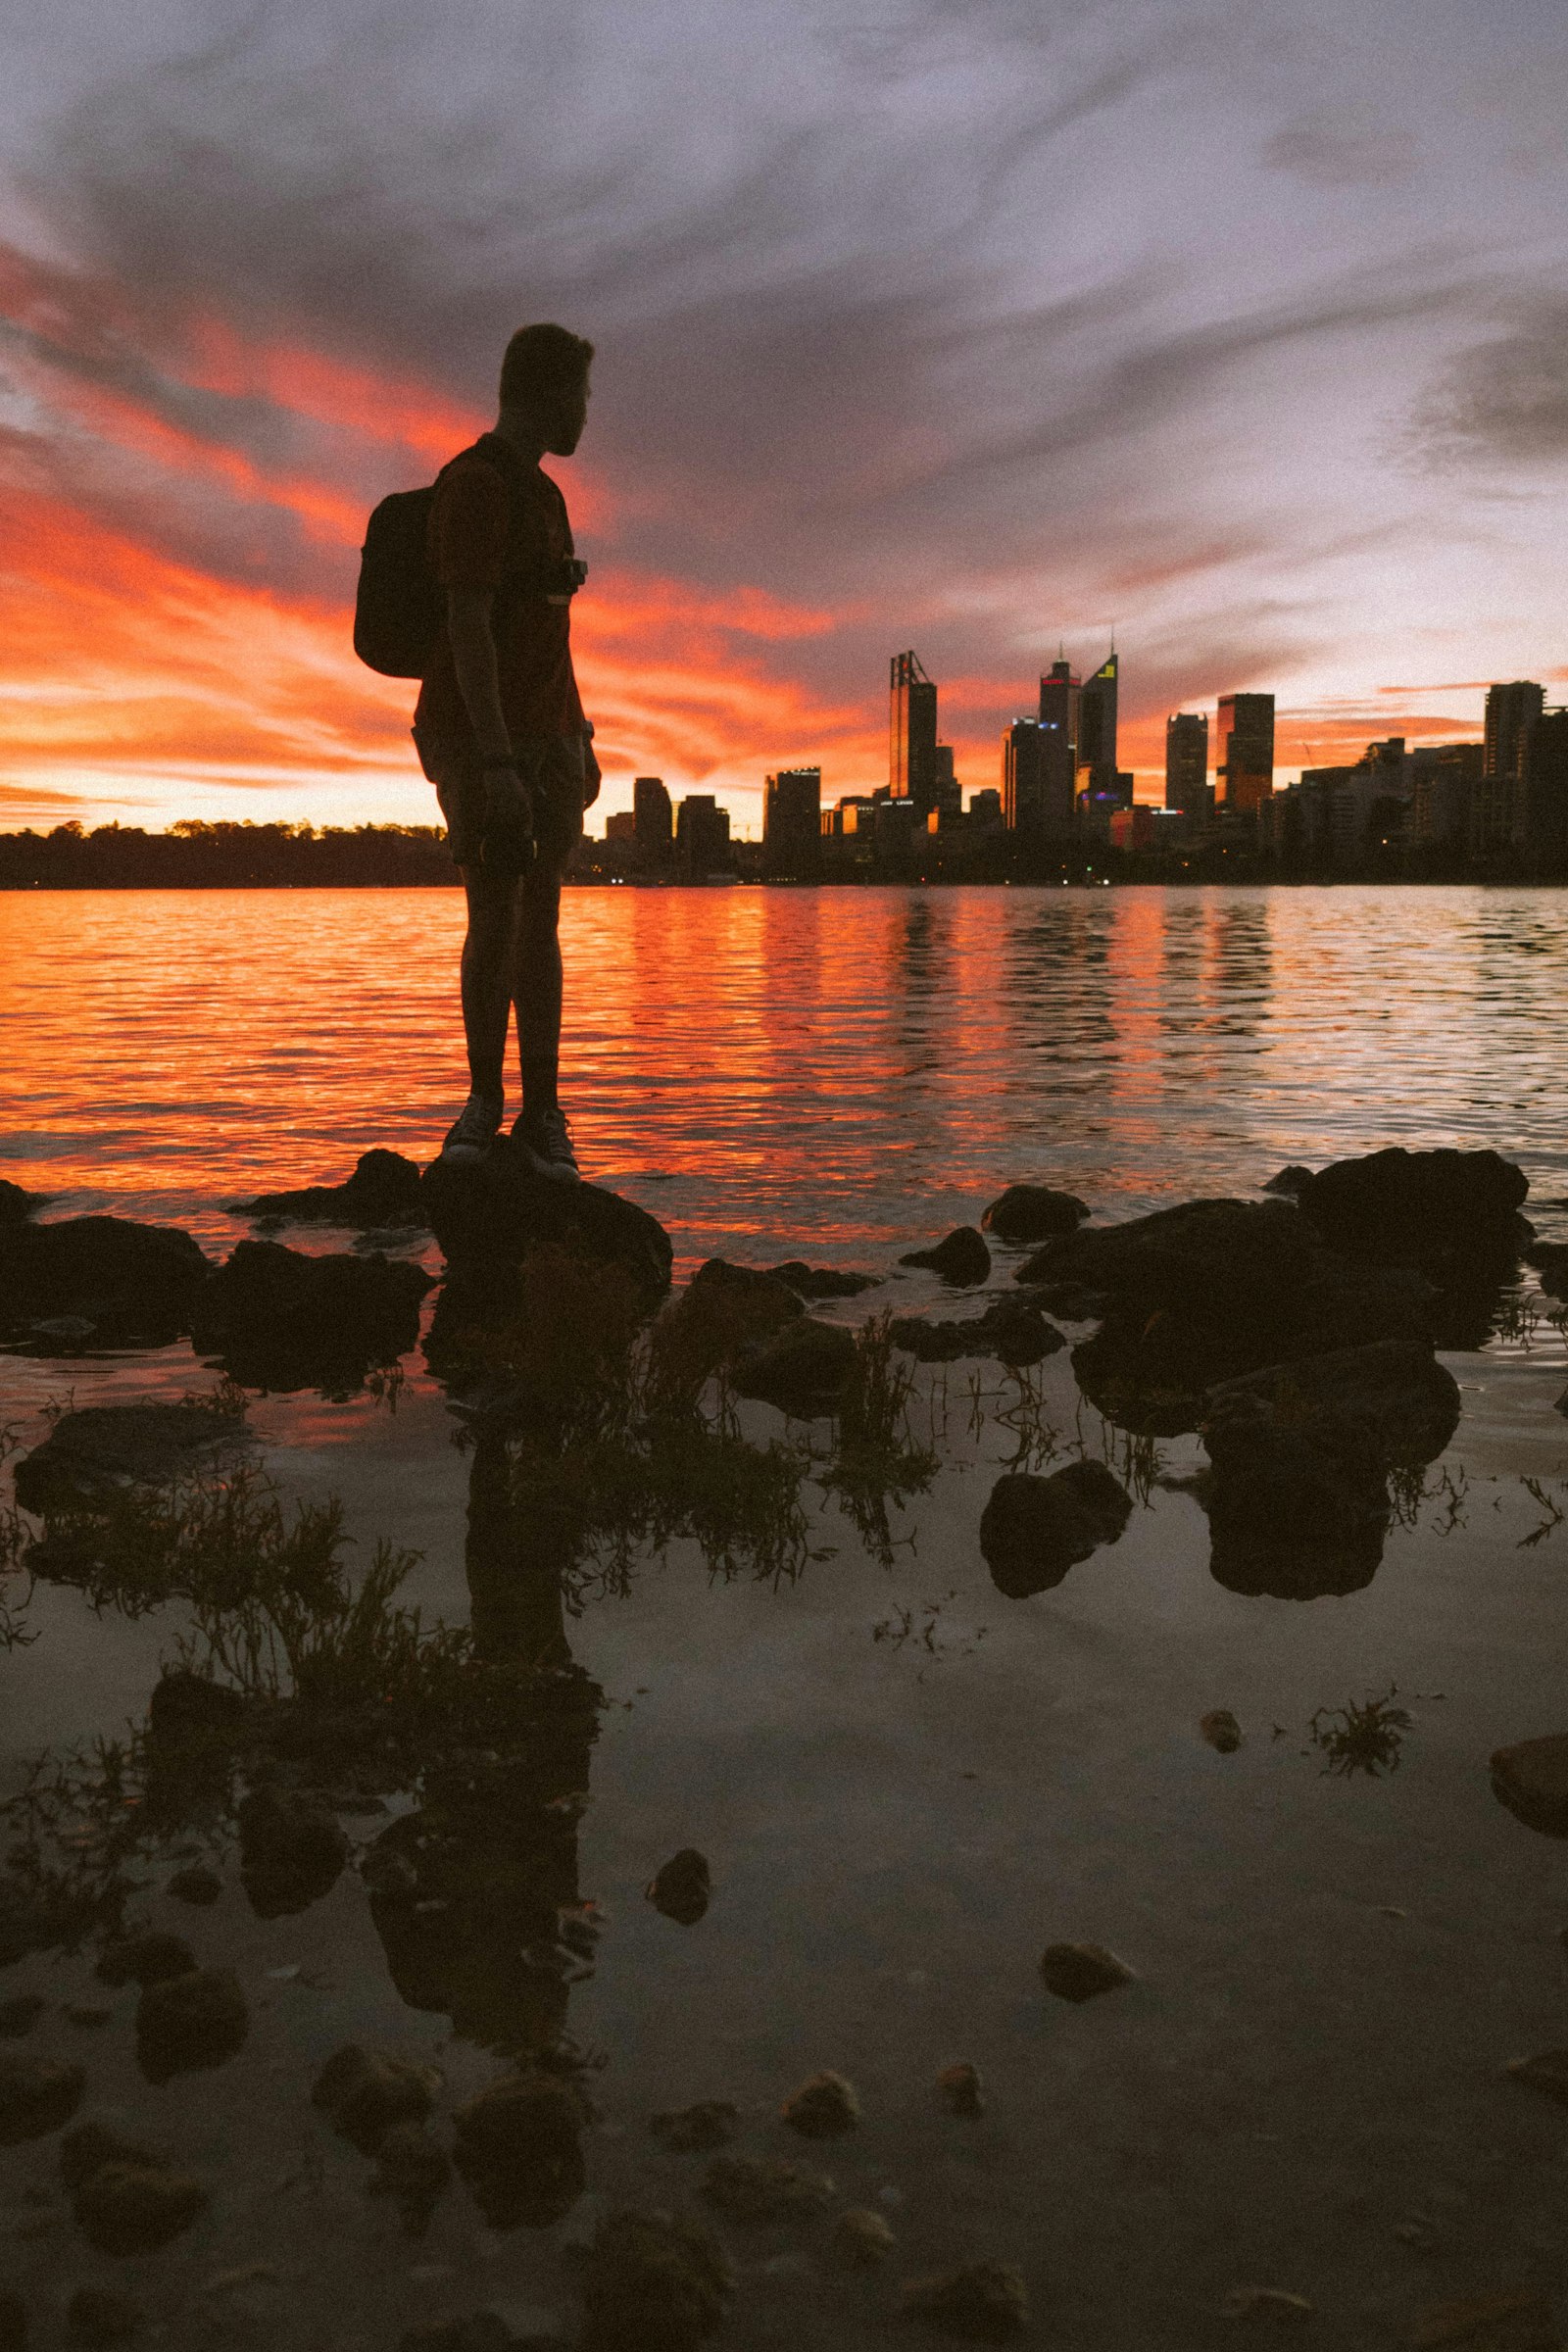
<point x="1453" y="1214"/>
<point x="1394" y="1389"/>
<point x="803" y="1367"/>
<point x="960" y="1257"/>
<point x="1032" y="1212"/>
<point x="1531" y="1778"/>
<point x="278" y="1319"/>
<point x="500" y="1211"/>
<point x="17" y="1203"/>
<point x="1032" y="1530"/>
<point x="721" y="1309"/>
<point x="383" y="1192"/>
<point x="121" y="1282"/>
<point x="1200" y="1293"/>
<point x="92" y="1456"/>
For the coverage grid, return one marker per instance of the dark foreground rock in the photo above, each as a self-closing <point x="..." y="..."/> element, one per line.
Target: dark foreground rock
<point x="1032" y="1530"/>
<point x="1531" y="1778"/>
<point x="1082" y="1971"/>
<point x="291" y="1852"/>
<point x="1453" y="1214"/>
<point x="1203" y="1292"/>
<point x="278" y="1319"/>
<point x="822" y="1281"/>
<point x="983" y="2302"/>
<point x="682" y="1888"/>
<point x="145" y="1959"/>
<point x="1032" y="1212"/>
<point x="518" y="2148"/>
<point x="12" y="2323"/>
<point x="91" y="1457"/>
<point x="654" y="2284"/>
<point x="500" y="1211"/>
<point x="824" y="2106"/>
<point x="1012" y="1330"/>
<point x="802" y="1368"/>
<point x="962" y="1259"/>
<point x="383" y="1192"/>
<point x="36" y="2096"/>
<point x="709" y="2124"/>
<point x="757" y="2190"/>
<point x="16" y="1203"/>
<point x="126" y="2199"/>
<point x="122" y="1281"/>
<point x="192" y="2021"/>
<point x="720" y="1312"/>
<point x="102" y="2315"/>
<point x="367" y="2093"/>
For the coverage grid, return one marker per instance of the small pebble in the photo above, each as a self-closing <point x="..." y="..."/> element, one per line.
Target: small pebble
<point x="198" y="1885"/>
<point x="961" y="2087"/>
<point x="766" y="2188"/>
<point x="860" y="2237"/>
<point x="710" y="2124"/>
<point x="20" y="2016"/>
<point x="985" y="2301"/>
<point x="1077" y="1971"/>
<point x="683" y="1887"/>
<point x="1222" y="1731"/>
<point x="824" y="2106"/>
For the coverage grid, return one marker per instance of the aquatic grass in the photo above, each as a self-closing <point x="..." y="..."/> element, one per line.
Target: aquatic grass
<point x="1366" y="1738"/>
<point x="875" y="1462"/>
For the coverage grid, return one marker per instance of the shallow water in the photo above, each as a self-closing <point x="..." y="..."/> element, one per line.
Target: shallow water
<point x="905" y="1783"/>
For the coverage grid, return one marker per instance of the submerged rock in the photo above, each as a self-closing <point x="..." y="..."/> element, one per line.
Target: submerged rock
<point x="984" y="2302"/>
<point x="196" y="1885"/>
<point x="709" y="2124"/>
<point x="682" y="1888"/>
<point x="518" y="2148"/>
<point x="654" y="2284"/>
<point x="1032" y="1212"/>
<point x="133" y="2208"/>
<point x="365" y="2092"/>
<point x="1032" y="1530"/>
<point x="291" y="1852"/>
<point x="1516" y="2320"/>
<point x="802" y="1368"/>
<point x="1394" y="1390"/>
<point x="501" y="1211"/>
<point x="1080" y="1972"/>
<point x="36" y="2096"/>
<point x="822" y="1281"/>
<point x="145" y="1959"/>
<point x="962" y="1259"/>
<point x="1221" y="1729"/>
<point x="188" y="2023"/>
<point x="383" y="1192"/>
<point x="766" y="2188"/>
<point x="1264" y="2303"/>
<point x="20" y="2015"/>
<point x="414" y="2169"/>
<point x="1531" y="1778"/>
<point x="280" y="1319"/>
<point x="102" y="2315"/>
<point x="1014" y="1330"/>
<point x="721" y="1309"/>
<point x="861" y="2238"/>
<point x="123" y="1281"/>
<point x="960" y="2087"/>
<point x="91" y="1457"/>
<point x="824" y="2106"/>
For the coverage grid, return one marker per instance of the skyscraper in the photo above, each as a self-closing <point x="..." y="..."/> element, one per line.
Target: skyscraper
<point x="1060" y="694"/>
<point x="791" y="824"/>
<point x="1187" y="763"/>
<point x="911" y="733"/>
<point x="1244" y="753"/>
<point x="1095" y="744"/>
<point x="702" y="835"/>
<point x="655" y="828"/>
<point x="1037" y="779"/>
<point x="1501" y="805"/>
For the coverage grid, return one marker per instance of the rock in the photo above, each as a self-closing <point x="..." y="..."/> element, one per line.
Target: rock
<point x="961" y="1259"/>
<point x="1518" y="2319"/>
<point x="802" y="1368"/>
<point x="721" y="1308"/>
<point x="188" y="2023"/>
<point x="127" y="1282"/>
<point x="1012" y="1330"/>
<point x="1221" y="1729"/>
<point x="654" y="2284"/>
<point x="91" y="2145"/>
<point x="133" y="2208"/>
<point x="1079" y="1971"/>
<point x="280" y="1319"/>
<point x="1290" y="1181"/>
<point x="518" y="2148"/>
<point x="414" y="2169"/>
<point x="824" y="2106"/>
<point x="766" y="2188"/>
<point x="101" y="2315"/>
<point x="145" y="1959"/>
<point x="1547" y="2073"/>
<point x="291" y="1852"/>
<point x="36" y="2096"/>
<point x="12" y="2310"/>
<point x="1550" y="1260"/>
<point x="1416" y="1208"/>
<point x="1032" y="1212"/>
<point x="959" y="2087"/>
<point x="88" y="2014"/>
<point x="191" y="1710"/>
<point x="34" y="1916"/>
<point x="196" y="1885"/>
<point x="710" y="2124"/>
<point x="1032" y="1530"/>
<point x="20" y="2015"/>
<point x="682" y="1888"/>
<point x="822" y="1281"/>
<point x="1264" y="2303"/>
<point x="500" y="1211"/>
<point x="1530" y="1778"/>
<point x="861" y="2238"/>
<point x="1394" y="1389"/>
<point x="16" y="1203"/>
<point x="984" y="2302"/>
<point x="91" y="1457"/>
<point x="366" y="2091"/>
<point x="383" y="1192"/>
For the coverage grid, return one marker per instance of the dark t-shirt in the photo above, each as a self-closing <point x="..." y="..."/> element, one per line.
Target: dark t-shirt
<point x="492" y="518"/>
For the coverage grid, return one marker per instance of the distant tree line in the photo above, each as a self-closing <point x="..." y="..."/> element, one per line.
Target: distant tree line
<point x="194" y="855"/>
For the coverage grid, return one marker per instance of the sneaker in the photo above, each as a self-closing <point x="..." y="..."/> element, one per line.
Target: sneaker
<point x="472" y="1131"/>
<point x="544" y="1138"/>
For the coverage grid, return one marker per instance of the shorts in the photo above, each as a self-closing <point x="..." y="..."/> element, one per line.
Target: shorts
<point x="549" y="766"/>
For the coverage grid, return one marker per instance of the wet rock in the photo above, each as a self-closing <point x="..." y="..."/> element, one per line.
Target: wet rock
<point x="1416" y="1208"/>
<point x="1395" y="1390"/>
<point x="1012" y="1330"/>
<point x="189" y="2022"/>
<point x="91" y="2145"/>
<point x="36" y="2096"/>
<point x="383" y="1192"/>
<point x="960" y="2089"/>
<point x="802" y="1368"/>
<point x="91" y="1457"/>
<point x="860" y="2239"/>
<point x="1550" y="1260"/>
<point x="1531" y="1778"/>
<point x="1032" y="1212"/>
<point x="278" y="1319"/>
<point x="127" y="1281"/>
<point x="12" y="2310"/>
<point x="88" y="2014"/>
<point x="1547" y="2073"/>
<point x="823" y="2107"/>
<point x="499" y="1211"/>
<point x="16" y="1203"/>
<point x="20" y="2015"/>
<point x="710" y="2124"/>
<point x="1080" y="1972"/>
<point x="822" y="1281"/>
<point x="291" y="1852"/>
<point x="766" y="2188"/>
<point x="764" y="1301"/>
<point x="366" y="2091"/>
<point x="145" y="1959"/>
<point x="518" y="2148"/>
<point x="191" y="1708"/>
<point x="1290" y="1181"/>
<point x="720" y="1310"/>
<point x="133" y="2208"/>
<point x="102" y="2315"/>
<point x="983" y="2302"/>
<point x="34" y="1917"/>
<point x="1032" y="1530"/>
<point x="1264" y="2303"/>
<point x="1518" y="2319"/>
<point x="654" y="2284"/>
<point x="682" y="1888"/>
<point x="197" y="1884"/>
<point x="962" y="1259"/>
<point x="1221" y="1729"/>
<point x="414" y="2169"/>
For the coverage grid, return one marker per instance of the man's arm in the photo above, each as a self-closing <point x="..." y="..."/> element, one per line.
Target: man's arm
<point x="474" y="656"/>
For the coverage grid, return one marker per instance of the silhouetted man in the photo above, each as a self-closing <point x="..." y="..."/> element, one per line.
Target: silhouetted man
<point x="501" y="736"/>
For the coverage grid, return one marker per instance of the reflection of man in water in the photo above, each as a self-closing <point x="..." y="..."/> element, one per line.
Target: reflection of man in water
<point x="500" y="734"/>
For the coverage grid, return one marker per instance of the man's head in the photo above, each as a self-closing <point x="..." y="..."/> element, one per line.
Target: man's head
<point x="544" y="381"/>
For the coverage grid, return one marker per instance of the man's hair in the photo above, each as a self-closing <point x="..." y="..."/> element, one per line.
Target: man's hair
<point x="542" y="363"/>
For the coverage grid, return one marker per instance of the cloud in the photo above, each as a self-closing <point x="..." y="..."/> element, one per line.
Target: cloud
<point x="1329" y="150"/>
<point x="1503" y="402"/>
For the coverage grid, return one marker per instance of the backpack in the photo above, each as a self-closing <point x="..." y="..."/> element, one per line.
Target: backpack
<point x="399" y="607"/>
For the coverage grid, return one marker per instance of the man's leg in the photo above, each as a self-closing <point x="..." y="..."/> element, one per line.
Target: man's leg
<point x="489" y="962"/>
<point x="537" y="987"/>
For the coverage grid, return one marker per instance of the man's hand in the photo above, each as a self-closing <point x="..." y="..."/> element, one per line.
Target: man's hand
<point x="591" y="776"/>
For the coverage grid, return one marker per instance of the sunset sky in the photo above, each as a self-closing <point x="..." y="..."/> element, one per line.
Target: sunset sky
<point x="970" y="325"/>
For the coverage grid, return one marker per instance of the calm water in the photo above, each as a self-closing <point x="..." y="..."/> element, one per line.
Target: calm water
<point x="905" y="1783"/>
